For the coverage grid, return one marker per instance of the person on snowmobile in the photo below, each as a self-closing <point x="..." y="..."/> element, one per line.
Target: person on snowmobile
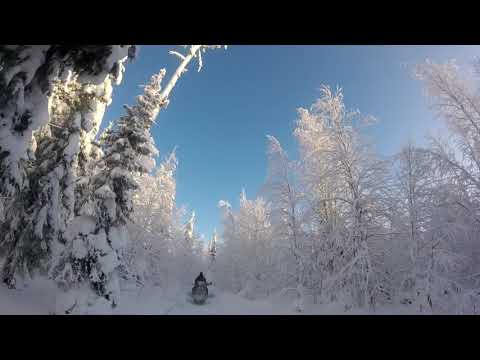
<point x="200" y="278"/>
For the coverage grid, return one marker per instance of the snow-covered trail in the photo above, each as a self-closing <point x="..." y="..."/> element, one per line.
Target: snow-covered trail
<point x="225" y="304"/>
<point x="153" y="302"/>
<point x="38" y="298"/>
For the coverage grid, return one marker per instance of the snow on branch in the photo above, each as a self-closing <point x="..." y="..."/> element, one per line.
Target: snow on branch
<point x="195" y="51"/>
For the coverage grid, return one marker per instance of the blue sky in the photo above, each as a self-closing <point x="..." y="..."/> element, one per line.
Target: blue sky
<point x="218" y="118"/>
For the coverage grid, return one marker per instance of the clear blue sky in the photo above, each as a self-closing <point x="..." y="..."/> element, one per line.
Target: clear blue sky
<point x="218" y="118"/>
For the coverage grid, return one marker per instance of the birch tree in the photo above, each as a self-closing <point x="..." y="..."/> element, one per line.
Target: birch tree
<point x="285" y="196"/>
<point x="350" y="182"/>
<point x="455" y="224"/>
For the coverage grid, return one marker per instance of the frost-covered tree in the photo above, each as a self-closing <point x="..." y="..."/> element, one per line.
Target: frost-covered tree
<point x="453" y="247"/>
<point x="230" y="276"/>
<point x="286" y="196"/>
<point x="456" y="101"/>
<point x="212" y="248"/>
<point x="156" y="222"/>
<point x="254" y="229"/>
<point x="411" y="196"/>
<point x="155" y="201"/>
<point x="323" y="211"/>
<point x="248" y="251"/>
<point x="346" y="180"/>
<point x="350" y="226"/>
<point x="189" y="226"/>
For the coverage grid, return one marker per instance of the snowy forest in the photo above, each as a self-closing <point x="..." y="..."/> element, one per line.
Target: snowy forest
<point x="90" y="224"/>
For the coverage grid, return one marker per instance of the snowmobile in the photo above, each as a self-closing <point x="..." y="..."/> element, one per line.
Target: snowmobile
<point x="200" y="292"/>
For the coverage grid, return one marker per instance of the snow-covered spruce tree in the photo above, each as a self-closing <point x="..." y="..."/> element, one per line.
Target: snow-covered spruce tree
<point x="45" y="198"/>
<point x="27" y="73"/>
<point x="93" y="249"/>
<point x="54" y="172"/>
<point x="23" y="108"/>
<point x="95" y="242"/>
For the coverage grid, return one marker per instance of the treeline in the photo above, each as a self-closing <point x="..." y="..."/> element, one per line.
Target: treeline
<point x="343" y="224"/>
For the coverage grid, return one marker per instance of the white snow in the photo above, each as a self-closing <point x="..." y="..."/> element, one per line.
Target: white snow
<point x="105" y="192"/>
<point x="108" y="262"/>
<point x="119" y="237"/>
<point x="36" y="299"/>
<point x="79" y="250"/>
<point x="42" y="297"/>
<point x="80" y="225"/>
<point x="32" y="58"/>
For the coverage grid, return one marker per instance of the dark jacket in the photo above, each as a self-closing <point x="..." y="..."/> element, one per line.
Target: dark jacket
<point x="200" y="278"/>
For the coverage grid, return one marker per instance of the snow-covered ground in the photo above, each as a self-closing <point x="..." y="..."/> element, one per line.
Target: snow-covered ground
<point x="151" y="301"/>
<point x="39" y="298"/>
<point x="36" y="298"/>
